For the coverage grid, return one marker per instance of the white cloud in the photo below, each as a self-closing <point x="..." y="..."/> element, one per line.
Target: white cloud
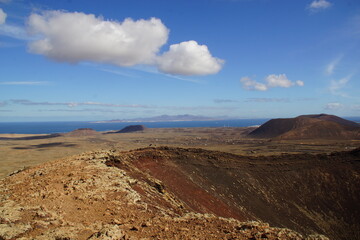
<point x="250" y="84"/>
<point x="2" y="16"/>
<point x="317" y="5"/>
<point x="329" y="70"/>
<point x="14" y="31"/>
<point x="189" y="58"/>
<point x="299" y="83"/>
<point x="280" y="80"/>
<point x="334" y="106"/>
<point x="337" y="85"/>
<point x="271" y="81"/>
<point x="94" y="39"/>
<point x="4" y="1"/>
<point x="126" y="43"/>
<point x="266" y="100"/>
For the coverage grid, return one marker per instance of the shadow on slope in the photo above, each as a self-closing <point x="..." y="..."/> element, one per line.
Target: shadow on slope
<point x="308" y="193"/>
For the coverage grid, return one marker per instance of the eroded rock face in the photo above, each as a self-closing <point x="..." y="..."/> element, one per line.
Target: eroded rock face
<point x="88" y="197"/>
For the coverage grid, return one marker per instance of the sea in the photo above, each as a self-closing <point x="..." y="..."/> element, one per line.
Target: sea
<point x="62" y="127"/>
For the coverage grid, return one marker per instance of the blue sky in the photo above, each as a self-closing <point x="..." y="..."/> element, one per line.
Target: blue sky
<point x="102" y="60"/>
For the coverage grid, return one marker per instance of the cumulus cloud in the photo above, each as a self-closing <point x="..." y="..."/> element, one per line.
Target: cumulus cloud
<point x="126" y="43"/>
<point x="250" y="84"/>
<point x="271" y="81"/>
<point x="3" y="16"/>
<point x="334" y="106"/>
<point x="299" y="83"/>
<point x="189" y="58"/>
<point x="278" y="81"/>
<point x="94" y="39"/>
<point x="317" y="5"/>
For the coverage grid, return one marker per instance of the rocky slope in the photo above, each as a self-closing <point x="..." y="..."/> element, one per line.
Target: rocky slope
<point x="320" y="126"/>
<point x="174" y="193"/>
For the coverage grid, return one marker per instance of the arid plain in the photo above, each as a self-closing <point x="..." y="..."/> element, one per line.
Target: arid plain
<point x="18" y="150"/>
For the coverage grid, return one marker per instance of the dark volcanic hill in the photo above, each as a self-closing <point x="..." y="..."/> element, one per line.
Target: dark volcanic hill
<point x="321" y="126"/>
<point x="170" y="193"/>
<point x="131" y="128"/>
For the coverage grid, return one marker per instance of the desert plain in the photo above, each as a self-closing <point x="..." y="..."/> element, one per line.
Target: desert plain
<point x="19" y="151"/>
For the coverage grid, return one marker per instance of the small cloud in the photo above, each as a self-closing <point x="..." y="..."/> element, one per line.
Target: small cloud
<point x="278" y="81"/>
<point x="5" y="1"/>
<point x="318" y="5"/>
<point x="14" y="31"/>
<point x="225" y="101"/>
<point x="23" y="83"/>
<point x="334" y="106"/>
<point x="3" y="104"/>
<point x="329" y="70"/>
<point x="271" y="81"/>
<point x="265" y="100"/>
<point x="299" y="83"/>
<point x="3" y="16"/>
<point x="250" y="84"/>
<point x="189" y="58"/>
<point x="337" y="85"/>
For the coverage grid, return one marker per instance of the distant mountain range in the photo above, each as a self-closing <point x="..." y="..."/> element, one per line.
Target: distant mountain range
<point x="164" y="118"/>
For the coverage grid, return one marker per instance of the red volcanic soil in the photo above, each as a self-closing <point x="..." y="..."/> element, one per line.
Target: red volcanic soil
<point x="116" y="195"/>
<point x="333" y="118"/>
<point x="320" y="126"/>
<point x="308" y="193"/>
<point x="182" y="184"/>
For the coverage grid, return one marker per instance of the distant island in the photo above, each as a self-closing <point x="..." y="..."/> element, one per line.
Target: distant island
<point x="165" y="118"/>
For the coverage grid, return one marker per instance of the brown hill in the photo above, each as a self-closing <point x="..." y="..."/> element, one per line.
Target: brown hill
<point x="332" y="118"/>
<point x="81" y="132"/>
<point x="174" y="193"/>
<point x="321" y="126"/>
